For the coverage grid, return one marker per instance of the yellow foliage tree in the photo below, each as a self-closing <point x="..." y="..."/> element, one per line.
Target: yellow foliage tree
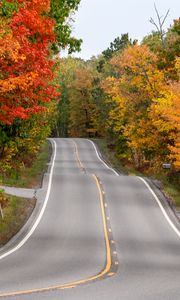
<point x="166" y="116"/>
<point x="137" y="83"/>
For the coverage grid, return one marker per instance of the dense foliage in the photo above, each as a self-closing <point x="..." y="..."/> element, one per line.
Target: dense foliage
<point x="130" y="95"/>
<point x="61" y="11"/>
<point x="29" y="31"/>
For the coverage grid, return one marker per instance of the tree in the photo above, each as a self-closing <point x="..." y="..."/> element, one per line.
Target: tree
<point x="61" y="11"/>
<point x="166" y="117"/>
<point x="172" y="50"/>
<point x="27" y="91"/>
<point x="65" y="70"/>
<point x="159" y="26"/>
<point x="139" y="82"/>
<point x="165" y="44"/>
<point x="82" y="109"/>
<point x="26" y="68"/>
<point x="119" y="44"/>
<point x="153" y="41"/>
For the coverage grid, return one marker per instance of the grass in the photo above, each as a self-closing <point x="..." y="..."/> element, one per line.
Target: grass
<point x="170" y="186"/>
<point x="30" y="177"/>
<point x="15" y="215"/>
<point x="19" y="209"/>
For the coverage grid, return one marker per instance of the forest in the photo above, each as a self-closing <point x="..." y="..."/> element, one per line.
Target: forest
<point x="128" y="95"/>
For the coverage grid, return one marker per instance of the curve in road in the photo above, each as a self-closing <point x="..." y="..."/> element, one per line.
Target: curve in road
<point x="108" y="270"/>
<point x="68" y="244"/>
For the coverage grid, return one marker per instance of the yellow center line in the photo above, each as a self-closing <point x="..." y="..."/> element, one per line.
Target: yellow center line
<point x="86" y="280"/>
<point x="77" y="156"/>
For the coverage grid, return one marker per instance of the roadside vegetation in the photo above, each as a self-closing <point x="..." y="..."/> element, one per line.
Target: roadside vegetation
<point x="29" y="176"/>
<point x="15" y="211"/>
<point x="15" y="214"/>
<point x="31" y="34"/>
<point x="129" y="95"/>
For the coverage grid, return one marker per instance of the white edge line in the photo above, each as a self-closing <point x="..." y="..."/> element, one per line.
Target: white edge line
<point x="101" y="159"/>
<point x="161" y="207"/>
<point x="17" y="247"/>
<point x="149" y="188"/>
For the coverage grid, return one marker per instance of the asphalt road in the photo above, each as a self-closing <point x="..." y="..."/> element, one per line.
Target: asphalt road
<point x="100" y="236"/>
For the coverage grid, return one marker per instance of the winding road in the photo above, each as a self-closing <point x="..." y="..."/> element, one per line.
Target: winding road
<point x="94" y="235"/>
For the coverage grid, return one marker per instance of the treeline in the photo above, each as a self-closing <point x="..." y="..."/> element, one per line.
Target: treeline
<point x="129" y="95"/>
<point x="32" y="32"/>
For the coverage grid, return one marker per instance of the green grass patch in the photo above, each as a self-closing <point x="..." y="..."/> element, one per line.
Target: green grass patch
<point x="170" y="184"/>
<point x="15" y="215"/>
<point x="30" y="177"/>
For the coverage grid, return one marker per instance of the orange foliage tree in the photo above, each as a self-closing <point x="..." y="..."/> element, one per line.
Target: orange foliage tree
<point x="27" y="91"/>
<point x="24" y="57"/>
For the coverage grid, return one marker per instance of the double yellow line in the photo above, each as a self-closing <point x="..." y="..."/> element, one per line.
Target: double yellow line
<point x="77" y="157"/>
<point x="105" y="271"/>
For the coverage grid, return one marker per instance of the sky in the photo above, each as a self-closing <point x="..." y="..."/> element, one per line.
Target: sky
<point x="99" y="22"/>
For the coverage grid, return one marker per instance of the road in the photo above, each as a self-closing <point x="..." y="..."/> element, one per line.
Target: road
<point x="97" y="235"/>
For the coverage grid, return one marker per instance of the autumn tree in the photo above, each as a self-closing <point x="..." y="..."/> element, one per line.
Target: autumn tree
<point x="82" y="109"/>
<point x="138" y="83"/>
<point x="26" y="87"/>
<point x="25" y="64"/>
<point x="166" y="117"/>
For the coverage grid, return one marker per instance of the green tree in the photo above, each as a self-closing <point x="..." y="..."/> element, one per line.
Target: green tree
<point x="66" y="68"/>
<point x="118" y="45"/>
<point x="153" y="41"/>
<point x="82" y="108"/>
<point x="62" y="11"/>
<point x="166" y="45"/>
<point x="81" y="111"/>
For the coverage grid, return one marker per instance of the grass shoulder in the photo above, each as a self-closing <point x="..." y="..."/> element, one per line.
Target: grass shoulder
<point x="18" y="210"/>
<point x="15" y="216"/>
<point x="169" y="184"/>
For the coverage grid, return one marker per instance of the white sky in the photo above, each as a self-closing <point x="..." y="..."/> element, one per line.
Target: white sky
<point x="99" y="22"/>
